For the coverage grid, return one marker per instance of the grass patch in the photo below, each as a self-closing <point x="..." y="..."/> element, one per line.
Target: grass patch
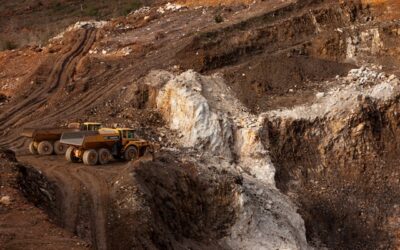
<point x="58" y="7"/>
<point x="132" y="6"/>
<point x="91" y="11"/>
<point x="8" y="45"/>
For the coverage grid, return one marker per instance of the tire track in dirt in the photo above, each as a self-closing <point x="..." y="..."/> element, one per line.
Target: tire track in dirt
<point x="59" y="76"/>
<point x="70" y="191"/>
<point x="75" y="180"/>
<point x="68" y="64"/>
<point x="67" y="111"/>
<point x="71" y="194"/>
<point x="99" y="193"/>
<point x="62" y="71"/>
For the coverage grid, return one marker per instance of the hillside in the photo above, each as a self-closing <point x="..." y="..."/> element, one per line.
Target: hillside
<point x="276" y="122"/>
<point x="29" y="22"/>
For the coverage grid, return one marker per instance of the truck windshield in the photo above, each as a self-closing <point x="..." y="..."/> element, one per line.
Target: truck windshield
<point x="128" y="134"/>
<point x="91" y="127"/>
<point x="95" y="127"/>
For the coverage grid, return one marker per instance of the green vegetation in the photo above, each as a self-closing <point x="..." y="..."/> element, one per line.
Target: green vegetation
<point x="91" y="11"/>
<point x="132" y="6"/>
<point x="218" y="18"/>
<point x="58" y="7"/>
<point x="8" y="45"/>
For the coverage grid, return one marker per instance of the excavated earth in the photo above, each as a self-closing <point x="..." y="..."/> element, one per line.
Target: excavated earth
<point x="277" y="123"/>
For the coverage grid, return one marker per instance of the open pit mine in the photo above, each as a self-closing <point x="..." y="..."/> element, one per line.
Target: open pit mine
<point x="211" y="124"/>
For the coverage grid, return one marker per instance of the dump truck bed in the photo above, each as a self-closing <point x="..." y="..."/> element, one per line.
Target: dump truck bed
<point x="89" y="139"/>
<point x="45" y="133"/>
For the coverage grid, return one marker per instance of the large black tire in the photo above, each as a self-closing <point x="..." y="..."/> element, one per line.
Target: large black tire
<point x="45" y="148"/>
<point x="32" y="148"/>
<point x="131" y="153"/>
<point x="69" y="155"/>
<point x="104" y="156"/>
<point x="90" y="157"/>
<point x="60" y="148"/>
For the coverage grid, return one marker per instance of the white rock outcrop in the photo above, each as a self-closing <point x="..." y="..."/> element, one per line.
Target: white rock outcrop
<point x="210" y="119"/>
<point x="339" y="101"/>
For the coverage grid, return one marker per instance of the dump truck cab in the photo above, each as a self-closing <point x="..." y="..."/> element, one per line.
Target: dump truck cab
<point x="86" y="126"/>
<point x="90" y="126"/>
<point x="132" y="147"/>
<point x="126" y="133"/>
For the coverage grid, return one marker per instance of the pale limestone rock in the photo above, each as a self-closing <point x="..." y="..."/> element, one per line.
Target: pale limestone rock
<point x="229" y="137"/>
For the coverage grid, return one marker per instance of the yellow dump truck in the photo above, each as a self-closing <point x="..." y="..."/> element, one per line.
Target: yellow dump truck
<point x="99" y="147"/>
<point x="46" y="141"/>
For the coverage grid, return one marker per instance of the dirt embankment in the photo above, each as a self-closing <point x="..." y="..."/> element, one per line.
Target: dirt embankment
<point x="342" y="171"/>
<point x="22" y="225"/>
<point x="164" y="204"/>
<point x="271" y="58"/>
<point x="346" y="184"/>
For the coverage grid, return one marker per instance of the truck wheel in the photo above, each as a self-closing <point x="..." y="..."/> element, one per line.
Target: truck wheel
<point x="131" y="153"/>
<point x="45" y="148"/>
<point x="90" y="157"/>
<point x="32" y="148"/>
<point x="59" y="148"/>
<point x="104" y="156"/>
<point x="69" y="155"/>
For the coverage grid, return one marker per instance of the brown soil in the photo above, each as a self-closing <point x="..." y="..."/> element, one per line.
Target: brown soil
<point x="22" y="225"/>
<point x="278" y="81"/>
<point x="213" y="2"/>
<point x="274" y="54"/>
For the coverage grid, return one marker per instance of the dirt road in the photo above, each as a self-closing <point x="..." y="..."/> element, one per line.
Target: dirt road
<point x="82" y="189"/>
<point x="22" y="225"/>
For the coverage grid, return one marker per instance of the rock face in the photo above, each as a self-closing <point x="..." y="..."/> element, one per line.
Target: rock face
<point x="211" y="120"/>
<point x="186" y="110"/>
<point x="339" y="159"/>
<point x="312" y="146"/>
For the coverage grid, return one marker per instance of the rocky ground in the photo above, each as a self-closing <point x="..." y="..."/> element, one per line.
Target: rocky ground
<point x="276" y="120"/>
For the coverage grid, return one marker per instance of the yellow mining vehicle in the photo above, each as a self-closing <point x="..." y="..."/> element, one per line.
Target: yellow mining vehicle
<point x="99" y="147"/>
<point x="46" y="141"/>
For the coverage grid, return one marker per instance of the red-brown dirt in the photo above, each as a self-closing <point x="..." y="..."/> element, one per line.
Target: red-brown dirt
<point x="22" y="225"/>
<point x="273" y="54"/>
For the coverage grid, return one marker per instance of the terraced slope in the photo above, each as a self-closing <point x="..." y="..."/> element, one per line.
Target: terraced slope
<point x="264" y="68"/>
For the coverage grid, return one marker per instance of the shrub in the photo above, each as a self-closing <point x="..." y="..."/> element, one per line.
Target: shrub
<point x="218" y="18"/>
<point x="58" y="7"/>
<point x="8" y="45"/>
<point x="134" y="5"/>
<point x="92" y="11"/>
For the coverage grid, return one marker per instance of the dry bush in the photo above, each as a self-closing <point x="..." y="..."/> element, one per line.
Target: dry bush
<point x="213" y="2"/>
